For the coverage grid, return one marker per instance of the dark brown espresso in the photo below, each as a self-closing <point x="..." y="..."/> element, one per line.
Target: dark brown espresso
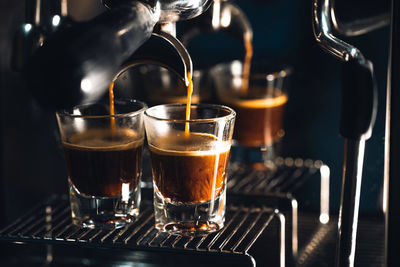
<point x="184" y="174"/>
<point x="259" y="122"/>
<point x="100" y="162"/>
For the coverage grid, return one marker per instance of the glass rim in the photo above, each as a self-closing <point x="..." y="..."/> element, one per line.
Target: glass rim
<point x="144" y="107"/>
<point x="282" y="71"/>
<point x="231" y="115"/>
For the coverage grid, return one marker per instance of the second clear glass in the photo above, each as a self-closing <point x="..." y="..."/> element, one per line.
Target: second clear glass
<point x="189" y="160"/>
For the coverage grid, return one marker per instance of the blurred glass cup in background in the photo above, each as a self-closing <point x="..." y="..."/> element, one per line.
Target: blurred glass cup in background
<point x="157" y="85"/>
<point x="189" y="160"/>
<point x="104" y="160"/>
<point x="259" y="101"/>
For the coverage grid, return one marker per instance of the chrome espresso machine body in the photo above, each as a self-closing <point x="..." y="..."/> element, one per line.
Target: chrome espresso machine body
<point x="335" y="199"/>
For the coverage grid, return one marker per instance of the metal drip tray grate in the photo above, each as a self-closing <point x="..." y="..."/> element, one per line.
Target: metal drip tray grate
<point x="50" y="222"/>
<point x="261" y="220"/>
<point x="290" y="175"/>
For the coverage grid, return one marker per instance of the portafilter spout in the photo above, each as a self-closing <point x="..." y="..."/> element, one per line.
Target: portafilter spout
<point x="223" y="16"/>
<point x="76" y="64"/>
<point x="170" y="10"/>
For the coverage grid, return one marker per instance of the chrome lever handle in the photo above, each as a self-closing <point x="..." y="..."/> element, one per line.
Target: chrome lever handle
<point x="358" y="112"/>
<point x="322" y="20"/>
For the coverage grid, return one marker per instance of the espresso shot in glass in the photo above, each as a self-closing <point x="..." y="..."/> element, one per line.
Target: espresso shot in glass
<point x="259" y="100"/>
<point x="103" y="154"/>
<point x="189" y="160"/>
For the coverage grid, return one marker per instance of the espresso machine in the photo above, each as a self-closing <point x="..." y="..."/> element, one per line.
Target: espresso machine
<point x="329" y="205"/>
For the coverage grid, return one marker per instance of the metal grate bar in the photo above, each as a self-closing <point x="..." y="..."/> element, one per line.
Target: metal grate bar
<point x="72" y="233"/>
<point x="80" y="234"/>
<point x="24" y="219"/>
<point x="226" y="240"/>
<point x="270" y="187"/>
<point x="162" y="244"/>
<point x="158" y="239"/>
<point x="53" y="220"/>
<point x="138" y="228"/>
<point x="59" y="225"/>
<point x="123" y="231"/>
<point x="260" y="185"/>
<point x="176" y="241"/>
<point x="301" y="181"/>
<point x="103" y="239"/>
<point x="143" y="214"/>
<point x="298" y="175"/>
<point x="236" y="176"/>
<point x="95" y="235"/>
<point x="83" y="237"/>
<point x="290" y="175"/>
<point x="49" y="221"/>
<point x="257" y="235"/>
<point x="243" y="181"/>
<point x="63" y="231"/>
<point x="247" y="231"/>
<point x="187" y="243"/>
<point x="197" y="247"/>
<point x="261" y="178"/>
<point x="21" y="226"/>
<point x="48" y="212"/>
<point x="221" y="231"/>
<point x="140" y="238"/>
<point x="33" y="216"/>
<point x="182" y="242"/>
<point x="151" y="242"/>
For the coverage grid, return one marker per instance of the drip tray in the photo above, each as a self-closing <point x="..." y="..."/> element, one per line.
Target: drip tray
<point x="253" y="232"/>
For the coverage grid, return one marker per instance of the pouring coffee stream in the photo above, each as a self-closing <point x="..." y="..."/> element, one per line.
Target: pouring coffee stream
<point x="248" y="45"/>
<point x="225" y="17"/>
<point x="173" y="56"/>
<point x="188" y="102"/>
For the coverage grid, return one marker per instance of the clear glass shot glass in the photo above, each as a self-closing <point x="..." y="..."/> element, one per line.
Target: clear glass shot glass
<point x="189" y="160"/>
<point x="259" y="100"/>
<point x="104" y="159"/>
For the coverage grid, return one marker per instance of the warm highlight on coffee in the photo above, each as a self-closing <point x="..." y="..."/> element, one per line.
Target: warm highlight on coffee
<point x="258" y="121"/>
<point x="101" y="163"/>
<point x="185" y="174"/>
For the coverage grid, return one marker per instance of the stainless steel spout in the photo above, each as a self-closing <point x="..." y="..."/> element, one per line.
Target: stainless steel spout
<point x="170" y="10"/>
<point x="76" y="64"/>
<point x="223" y="16"/>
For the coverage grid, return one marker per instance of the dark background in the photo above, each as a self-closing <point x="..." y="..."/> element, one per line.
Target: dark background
<point x="32" y="163"/>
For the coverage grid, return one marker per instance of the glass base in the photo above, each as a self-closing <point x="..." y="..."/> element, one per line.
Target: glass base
<point x="189" y="219"/>
<point x="103" y="212"/>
